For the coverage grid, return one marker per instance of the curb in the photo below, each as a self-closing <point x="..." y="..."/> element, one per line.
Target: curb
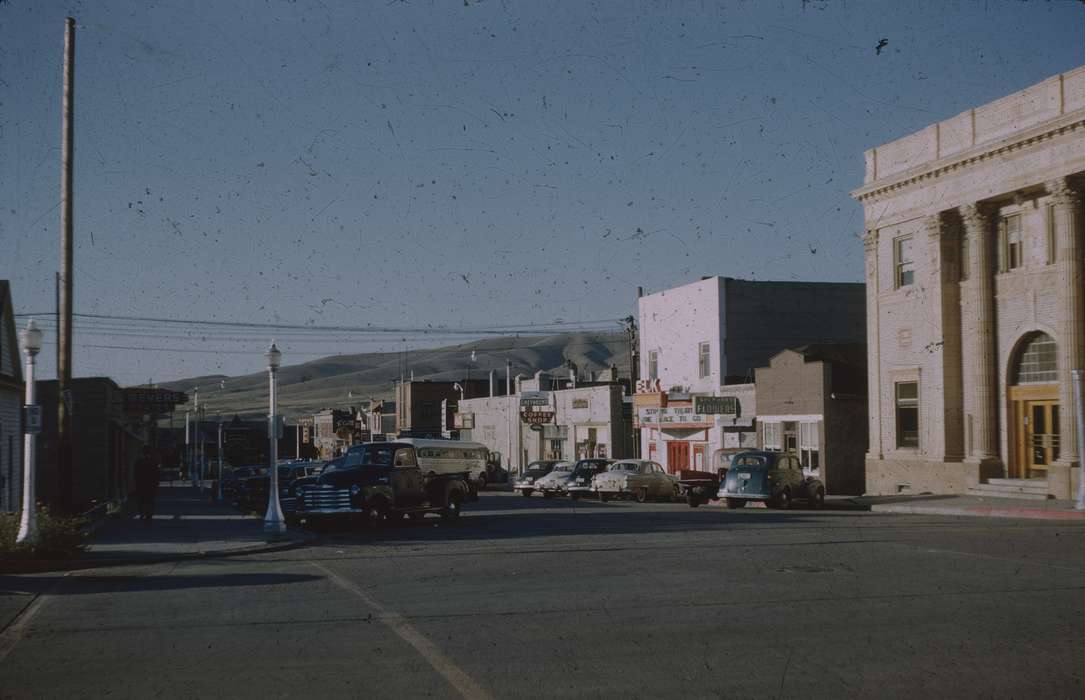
<point x="34" y="566"/>
<point x="981" y="512"/>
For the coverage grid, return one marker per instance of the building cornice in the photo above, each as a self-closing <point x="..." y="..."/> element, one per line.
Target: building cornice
<point x="936" y="168"/>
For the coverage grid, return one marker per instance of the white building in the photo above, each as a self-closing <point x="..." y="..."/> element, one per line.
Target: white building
<point x="976" y="297"/>
<point x="705" y="339"/>
<point x="12" y="393"/>
<point x="579" y="421"/>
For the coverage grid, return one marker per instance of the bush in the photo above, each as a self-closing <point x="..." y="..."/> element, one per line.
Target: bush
<point x="59" y="537"/>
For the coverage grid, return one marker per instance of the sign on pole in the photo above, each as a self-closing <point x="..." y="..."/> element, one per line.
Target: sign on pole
<point x="32" y="419"/>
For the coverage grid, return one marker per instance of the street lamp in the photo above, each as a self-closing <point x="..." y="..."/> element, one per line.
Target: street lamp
<point x="274" y="523"/>
<point x="28" y="522"/>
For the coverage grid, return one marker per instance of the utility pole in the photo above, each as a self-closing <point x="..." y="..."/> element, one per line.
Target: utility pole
<point x="64" y="339"/>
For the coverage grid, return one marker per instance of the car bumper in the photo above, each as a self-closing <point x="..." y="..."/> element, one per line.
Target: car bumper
<point x="579" y="488"/>
<point x="744" y="496"/>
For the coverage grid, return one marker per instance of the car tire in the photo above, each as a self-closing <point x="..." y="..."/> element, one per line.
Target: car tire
<point x="692" y="500"/>
<point x="374" y="513"/>
<point x="416" y="515"/>
<point x="641" y="495"/>
<point x="575" y="495"/>
<point x="481" y="482"/>
<point x="526" y="493"/>
<point x="818" y="499"/>
<point x="783" y="501"/>
<point x="736" y="503"/>
<point x="604" y="497"/>
<point x="676" y="493"/>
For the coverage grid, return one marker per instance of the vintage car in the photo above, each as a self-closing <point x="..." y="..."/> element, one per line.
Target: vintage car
<point x="381" y="480"/>
<point x="525" y="483"/>
<point x="437" y="457"/>
<point x="553" y="483"/>
<point x="231" y="482"/>
<point x="584" y="471"/>
<point x="639" y="479"/>
<point x="252" y="491"/>
<point x="774" y="478"/>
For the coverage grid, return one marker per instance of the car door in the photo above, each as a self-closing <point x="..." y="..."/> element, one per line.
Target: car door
<point x="655" y="480"/>
<point x="793" y="477"/>
<point x="406" y="477"/>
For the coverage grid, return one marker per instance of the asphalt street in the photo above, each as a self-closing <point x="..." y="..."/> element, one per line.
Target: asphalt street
<point x="553" y="598"/>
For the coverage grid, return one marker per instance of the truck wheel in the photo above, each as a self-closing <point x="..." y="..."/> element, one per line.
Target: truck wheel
<point x="452" y="505"/>
<point x="525" y="493"/>
<point x="374" y="512"/>
<point x="641" y="495"/>
<point x="481" y="482"/>
<point x="692" y="500"/>
<point x="735" y="503"/>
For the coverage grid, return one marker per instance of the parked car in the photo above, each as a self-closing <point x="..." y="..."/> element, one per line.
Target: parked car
<point x="525" y="484"/>
<point x="383" y="480"/>
<point x="579" y="483"/>
<point x="231" y="482"/>
<point x="774" y="478"/>
<point x="639" y="479"/>
<point x="495" y="473"/>
<point x="553" y="483"/>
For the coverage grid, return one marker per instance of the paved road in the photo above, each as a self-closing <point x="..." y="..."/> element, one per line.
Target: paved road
<point x="535" y="598"/>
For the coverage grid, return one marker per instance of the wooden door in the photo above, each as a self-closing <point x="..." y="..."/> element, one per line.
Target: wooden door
<point x="699" y="457"/>
<point x="677" y="456"/>
<point x="1041" y="435"/>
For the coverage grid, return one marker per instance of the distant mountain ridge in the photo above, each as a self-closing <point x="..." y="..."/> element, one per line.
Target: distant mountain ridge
<point x="339" y="381"/>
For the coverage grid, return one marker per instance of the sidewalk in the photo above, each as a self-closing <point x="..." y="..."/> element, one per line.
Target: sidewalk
<point x="185" y="526"/>
<point x="974" y="506"/>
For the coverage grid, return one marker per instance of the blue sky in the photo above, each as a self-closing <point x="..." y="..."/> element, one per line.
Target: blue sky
<point x="474" y="164"/>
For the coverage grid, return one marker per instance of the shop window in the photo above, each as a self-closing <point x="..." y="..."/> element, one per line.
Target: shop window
<point x="907" y="399"/>
<point x="703" y="364"/>
<point x="772" y="436"/>
<point x="653" y="364"/>
<point x="1009" y="239"/>
<point x="809" y="446"/>
<point x="903" y="261"/>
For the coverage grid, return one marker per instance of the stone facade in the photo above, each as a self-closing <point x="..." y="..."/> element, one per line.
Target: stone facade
<point x="975" y="295"/>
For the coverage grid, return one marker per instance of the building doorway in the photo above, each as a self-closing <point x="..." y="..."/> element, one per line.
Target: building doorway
<point x="1034" y="408"/>
<point x="677" y="456"/>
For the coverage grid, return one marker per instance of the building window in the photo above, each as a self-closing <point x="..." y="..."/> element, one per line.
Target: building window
<point x="1010" y="248"/>
<point x="1038" y="364"/>
<point x="702" y="360"/>
<point x="771" y="436"/>
<point x="653" y="364"/>
<point x="903" y="261"/>
<point x="809" y="446"/>
<point x="1049" y="220"/>
<point x="907" y="414"/>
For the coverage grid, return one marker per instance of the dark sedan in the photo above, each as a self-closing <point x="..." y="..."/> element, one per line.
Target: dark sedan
<point x="253" y="491"/>
<point x="774" y="478"/>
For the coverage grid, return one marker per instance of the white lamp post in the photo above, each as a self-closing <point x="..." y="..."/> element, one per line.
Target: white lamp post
<point x="28" y="522"/>
<point x="274" y="523"/>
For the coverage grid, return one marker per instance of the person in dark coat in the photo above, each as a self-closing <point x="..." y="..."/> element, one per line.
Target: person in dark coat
<point x="146" y="484"/>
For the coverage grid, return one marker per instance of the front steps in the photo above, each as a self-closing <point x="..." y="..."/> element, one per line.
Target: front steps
<point x="1028" y="489"/>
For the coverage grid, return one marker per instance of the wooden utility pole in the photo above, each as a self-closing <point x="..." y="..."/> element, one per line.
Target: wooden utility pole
<point x="64" y="340"/>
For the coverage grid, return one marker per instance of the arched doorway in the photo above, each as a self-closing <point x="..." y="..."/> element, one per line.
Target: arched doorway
<point x="1034" y="407"/>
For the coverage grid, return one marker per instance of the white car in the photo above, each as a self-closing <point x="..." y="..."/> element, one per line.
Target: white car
<point x="553" y="484"/>
<point x="639" y="479"/>
<point x="526" y="482"/>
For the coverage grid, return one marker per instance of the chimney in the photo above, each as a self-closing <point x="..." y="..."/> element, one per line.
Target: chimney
<point x="493" y="380"/>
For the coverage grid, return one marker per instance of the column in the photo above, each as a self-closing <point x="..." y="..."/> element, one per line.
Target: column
<point x="982" y="380"/>
<point x="874" y="393"/>
<point x="1066" y="209"/>
<point x="944" y="244"/>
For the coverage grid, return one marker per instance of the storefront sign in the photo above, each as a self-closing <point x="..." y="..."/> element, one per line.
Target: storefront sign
<point x="555" y="432"/>
<point x="674" y="417"/>
<point x="580" y="403"/>
<point x="32" y="419"/>
<point x="148" y="400"/>
<point x="534" y="417"/>
<point x="716" y="405"/>
<point x="534" y="398"/>
<point x="463" y="421"/>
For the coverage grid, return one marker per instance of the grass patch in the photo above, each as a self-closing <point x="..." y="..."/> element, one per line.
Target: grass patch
<point x="59" y="537"/>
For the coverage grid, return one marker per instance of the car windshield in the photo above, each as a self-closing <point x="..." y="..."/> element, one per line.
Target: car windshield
<point x="563" y="467"/>
<point x="750" y="461"/>
<point x="589" y="467"/>
<point x="624" y="467"/>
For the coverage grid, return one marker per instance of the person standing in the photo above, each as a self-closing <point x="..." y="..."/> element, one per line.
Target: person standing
<point x="146" y="484"/>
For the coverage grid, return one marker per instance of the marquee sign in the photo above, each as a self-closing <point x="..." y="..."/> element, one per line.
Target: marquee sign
<point x="534" y="398"/>
<point x="674" y="417"/>
<point x="649" y="386"/>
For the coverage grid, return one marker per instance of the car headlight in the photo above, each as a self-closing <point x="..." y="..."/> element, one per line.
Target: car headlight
<point x="355" y="489"/>
<point x="299" y="491"/>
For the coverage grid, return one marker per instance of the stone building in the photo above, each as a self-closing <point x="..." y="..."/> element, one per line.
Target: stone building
<point x="811" y="400"/>
<point x="702" y="341"/>
<point x="12" y="393"/>
<point x="975" y="297"/>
